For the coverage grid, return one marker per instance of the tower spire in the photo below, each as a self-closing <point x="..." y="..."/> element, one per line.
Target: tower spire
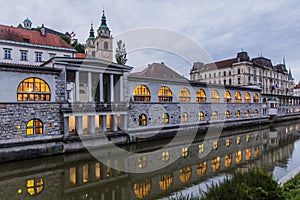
<point x="103" y="30"/>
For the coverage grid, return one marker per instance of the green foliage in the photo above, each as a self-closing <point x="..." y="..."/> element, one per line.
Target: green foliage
<point x="66" y="38"/>
<point x="121" y="53"/>
<point x="255" y="184"/>
<point x="291" y="189"/>
<point x="78" y="47"/>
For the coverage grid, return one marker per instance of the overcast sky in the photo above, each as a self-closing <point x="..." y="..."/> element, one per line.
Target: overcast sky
<point x="221" y="28"/>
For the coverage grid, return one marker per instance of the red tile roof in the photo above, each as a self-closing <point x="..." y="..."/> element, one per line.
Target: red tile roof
<point x="80" y="55"/>
<point x="220" y="64"/>
<point x="158" y="70"/>
<point x="18" y="34"/>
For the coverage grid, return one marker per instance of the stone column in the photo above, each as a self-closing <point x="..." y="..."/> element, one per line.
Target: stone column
<point x="77" y="94"/>
<point x="101" y="87"/>
<point x="125" y="122"/>
<point x="104" y="128"/>
<point x="78" y="124"/>
<point x="90" y="98"/>
<point x="121" y="88"/>
<point x="91" y="125"/>
<point x="112" y="98"/>
<point x="115" y="121"/>
<point x="66" y="126"/>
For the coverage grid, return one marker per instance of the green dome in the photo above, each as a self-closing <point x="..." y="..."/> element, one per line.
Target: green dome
<point x="27" y="21"/>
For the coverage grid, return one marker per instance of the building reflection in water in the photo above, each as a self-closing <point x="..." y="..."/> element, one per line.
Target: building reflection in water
<point x="68" y="178"/>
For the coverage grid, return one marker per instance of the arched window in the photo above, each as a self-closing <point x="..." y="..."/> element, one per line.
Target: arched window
<point x="201" y="168"/>
<point x="142" y="189"/>
<point x="238" y="97"/>
<point x="247" y="113"/>
<point x="184" y="95"/>
<point x="227" y="114"/>
<point x="165" y="94"/>
<point x="184" y="117"/>
<point x="34" y="127"/>
<point x="200" y="96"/>
<point x="201" y="116"/>
<point x="215" y="115"/>
<point x="105" y="45"/>
<point x="216" y="163"/>
<point x="238" y="157"/>
<point x="227" y="96"/>
<point x="215" y="97"/>
<point x="247" y="98"/>
<point x="184" y="152"/>
<point x="255" y="98"/>
<point x="165" y="181"/>
<point x="238" y="114"/>
<point x="33" y="89"/>
<point x="142" y="120"/>
<point x="141" y="93"/>
<point x="165" y="118"/>
<point x="256" y="112"/>
<point x="142" y="162"/>
<point x="185" y="174"/>
<point x="264" y="100"/>
<point x="35" y="186"/>
<point x="228" y="160"/>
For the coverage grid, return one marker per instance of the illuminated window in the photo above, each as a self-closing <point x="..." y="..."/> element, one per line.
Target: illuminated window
<point x="185" y="174"/>
<point x="248" y="138"/>
<point x="201" y="116"/>
<point x="142" y="162"/>
<point x="238" y="157"/>
<point x="227" y="142"/>
<point x="98" y="171"/>
<point x="256" y="136"/>
<point x="215" y="97"/>
<point x="247" y="113"/>
<point x="184" y="117"/>
<point x="142" y="120"/>
<point x="238" y="97"/>
<point x="200" y="96"/>
<point x="165" y="156"/>
<point x="238" y="114"/>
<point x="34" y="127"/>
<point x="142" y="189"/>
<point x="165" y="118"/>
<point x="33" y="89"/>
<point x="72" y="175"/>
<point x="247" y="98"/>
<point x="35" y="186"/>
<point x="165" y="94"/>
<point x="256" y="151"/>
<point x="256" y="112"/>
<point x="215" y="115"/>
<point x="238" y="140"/>
<point x="216" y="163"/>
<point x="184" y="95"/>
<point x="248" y="154"/>
<point x="201" y="148"/>
<point x="185" y="152"/>
<point x="255" y="98"/>
<point x="227" y="114"/>
<point x="201" y="168"/>
<point x="227" y="96"/>
<point x="165" y="181"/>
<point x="85" y="173"/>
<point x="215" y="145"/>
<point x="228" y="160"/>
<point x="141" y="93"/>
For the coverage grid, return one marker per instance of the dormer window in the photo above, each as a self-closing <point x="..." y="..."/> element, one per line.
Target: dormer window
<point x="26" y="40"/>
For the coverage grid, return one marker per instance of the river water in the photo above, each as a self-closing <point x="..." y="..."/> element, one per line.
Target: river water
<point x="187" y="168"/>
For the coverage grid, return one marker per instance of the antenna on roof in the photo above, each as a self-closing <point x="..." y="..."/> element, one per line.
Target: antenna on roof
<point x="283" y="60"/>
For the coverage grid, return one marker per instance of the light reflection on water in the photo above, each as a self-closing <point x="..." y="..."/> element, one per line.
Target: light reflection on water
<point x="79" y="176"/>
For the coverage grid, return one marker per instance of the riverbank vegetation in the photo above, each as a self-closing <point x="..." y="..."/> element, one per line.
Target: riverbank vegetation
<point x="291" y="189"/>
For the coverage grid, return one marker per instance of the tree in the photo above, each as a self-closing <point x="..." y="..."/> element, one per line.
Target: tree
<point x="121" y="53"/>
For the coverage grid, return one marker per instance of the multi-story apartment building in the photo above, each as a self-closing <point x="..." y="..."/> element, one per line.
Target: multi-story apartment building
<point x="243" y="71"/>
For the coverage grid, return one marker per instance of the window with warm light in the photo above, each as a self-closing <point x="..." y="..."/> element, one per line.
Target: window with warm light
<point x="256" y="112"/>
<point x="215" y="115"/>
<point x="165" y="118"/>
<point x="238" y="114"/>
<point x="228" y="160"/>
<point x="184" y="117"/>
<point x="227" y="114"/>
<point x="227" y="96"/>
<point x="248" y="138"/>
<point x="216" y="163"/>
<point x="215" y="97"/>
<point x="227" y="142"/>
<point x="98" y="171"/>
<point x="142" y="189"/>
<point x="165" y="94"/>
<point x="35" y="186"/>
<point x="255" y="98"/>
<point x="165" y="156"/>
<point x="237" y="97"/>
<point x="238" y="140"/>
<point x="247" y="113"/>
<point x="185" y="174"/>
<point x="185" y="152"/>
<point x="184" y="95"/>
<point x="248" y="154"/>
<point x="165" y="181"/>
<point x="72" y="175"/>
<point x="215" y="145"/>
<point x="142" y="162"/>
<point x="247" y="98"/>
<point x="201" y="116"/>
<point x="201" y="148"/>
<point x="200" y="96"/>
<point x="141" y="93"/>
<point x="201" y="168"/>
<point x="238" y="157"/>
<point x="256" y="136"/>
<point x="34" y="127"/>
<point x="256" y="151"/>
<point x="142" y="120"/>
<point x="33" y="89"/>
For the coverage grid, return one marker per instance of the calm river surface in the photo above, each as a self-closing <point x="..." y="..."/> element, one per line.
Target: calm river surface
<point x="275" y="148"/>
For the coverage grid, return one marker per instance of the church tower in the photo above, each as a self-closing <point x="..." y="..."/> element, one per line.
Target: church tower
<point x="101" y="46"/>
